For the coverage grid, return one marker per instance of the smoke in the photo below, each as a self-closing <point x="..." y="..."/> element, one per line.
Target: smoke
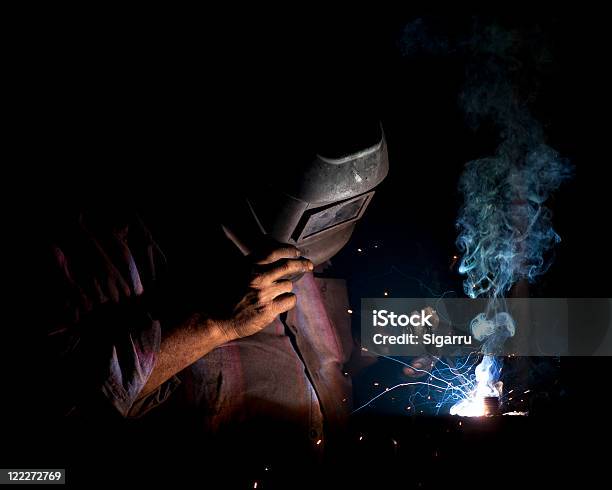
<point x="492" y="332"/>
<point x="505" y="229"/>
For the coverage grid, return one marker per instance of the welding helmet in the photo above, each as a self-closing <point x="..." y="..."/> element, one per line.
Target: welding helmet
<point x="313" y="201"/>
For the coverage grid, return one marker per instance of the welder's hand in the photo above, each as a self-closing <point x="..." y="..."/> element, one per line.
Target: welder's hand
<point x="420" y="366"/>
<point x="95" y="264"/>
<point x="267" y="294"/>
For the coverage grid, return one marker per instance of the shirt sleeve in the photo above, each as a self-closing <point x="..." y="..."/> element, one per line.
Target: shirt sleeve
<point x="131" y="361"/>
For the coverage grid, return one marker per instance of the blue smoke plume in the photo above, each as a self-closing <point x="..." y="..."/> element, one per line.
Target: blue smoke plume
<point x="505" y="229"/>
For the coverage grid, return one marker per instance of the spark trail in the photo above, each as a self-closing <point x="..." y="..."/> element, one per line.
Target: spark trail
<point x="445" y="383"/>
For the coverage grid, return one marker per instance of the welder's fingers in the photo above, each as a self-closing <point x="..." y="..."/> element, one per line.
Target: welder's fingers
<point x="279" y="269"/>
<point x="287" y="252"/>
<point x="116" y="286"/>
<point x="276" y="289"/>
<point x="283" y="303"/>
<point x="104" y="269"/>
<point x="420" y="367"/>
<point x="413" y="373"/>
<point x="97" y="275"/>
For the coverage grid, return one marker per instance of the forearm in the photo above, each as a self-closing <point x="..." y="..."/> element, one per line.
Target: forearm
<point x="181" y="347"/>
<point x="267" y="295"/>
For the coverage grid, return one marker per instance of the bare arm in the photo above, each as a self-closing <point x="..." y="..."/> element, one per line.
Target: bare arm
<point x="267" y="295"/>
<point x="181" y="347"/>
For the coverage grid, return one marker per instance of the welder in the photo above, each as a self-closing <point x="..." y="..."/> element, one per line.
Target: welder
<point x="247" y="344"/>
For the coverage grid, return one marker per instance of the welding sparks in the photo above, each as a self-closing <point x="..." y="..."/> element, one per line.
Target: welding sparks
<point x="485" y="375"/>
<point x="451" y="384"/>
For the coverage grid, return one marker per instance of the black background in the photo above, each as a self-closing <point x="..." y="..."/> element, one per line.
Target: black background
<point x="165" y="111"/>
